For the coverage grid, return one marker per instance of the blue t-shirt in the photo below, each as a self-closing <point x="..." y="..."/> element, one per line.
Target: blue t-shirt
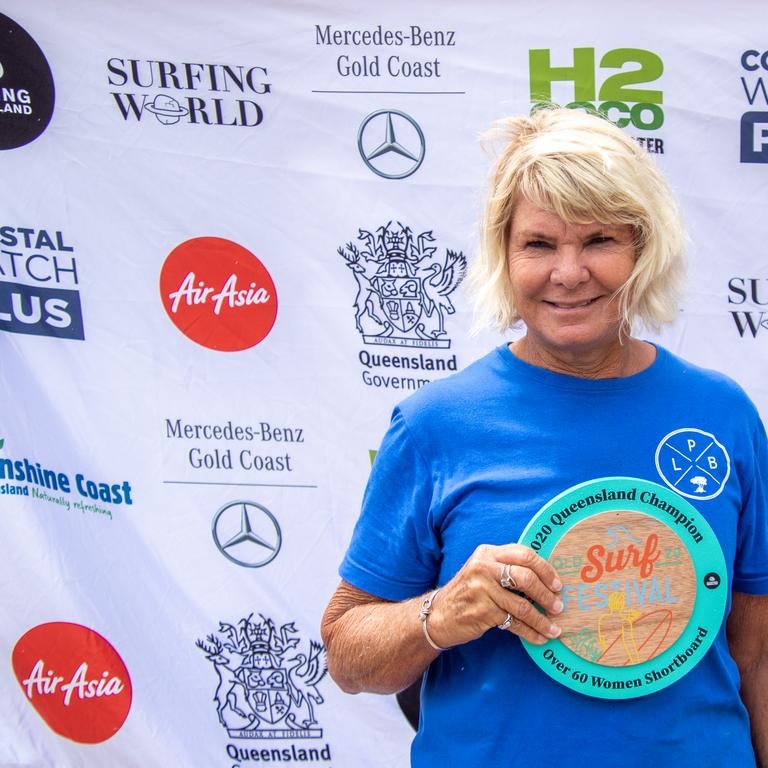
<point x="470" y="459"/>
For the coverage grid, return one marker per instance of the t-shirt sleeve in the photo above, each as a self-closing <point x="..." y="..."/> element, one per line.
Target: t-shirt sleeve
<point x="394" y="552"/>
<point x="750" y="573"/>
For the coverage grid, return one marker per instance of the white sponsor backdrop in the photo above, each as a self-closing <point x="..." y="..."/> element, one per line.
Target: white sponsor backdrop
<point x="125" y="188"/>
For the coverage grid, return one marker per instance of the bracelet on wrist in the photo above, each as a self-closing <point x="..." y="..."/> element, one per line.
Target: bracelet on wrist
<point x="426" y="609"/>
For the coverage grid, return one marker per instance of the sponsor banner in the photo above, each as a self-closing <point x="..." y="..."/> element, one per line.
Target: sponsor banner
<point x="231" y="242"/>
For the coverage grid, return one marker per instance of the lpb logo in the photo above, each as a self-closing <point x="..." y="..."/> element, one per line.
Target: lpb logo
<point x="693" y="463"/>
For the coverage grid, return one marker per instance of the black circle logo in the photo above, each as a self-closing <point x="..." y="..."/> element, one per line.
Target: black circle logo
<point x="712" y="581"/>
<point x="26" y="87"/>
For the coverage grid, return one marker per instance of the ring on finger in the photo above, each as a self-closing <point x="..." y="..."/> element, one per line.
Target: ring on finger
<point x="507" y="623"/>
<point x="507" y="580"/>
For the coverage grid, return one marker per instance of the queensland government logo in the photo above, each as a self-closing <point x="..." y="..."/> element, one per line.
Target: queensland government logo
<point x="403" y="288"/>
<point x="193" y="93"/>
<point x="26" y="87"/>
<point x="267" y="689"/>
<point x="391" y="144"/>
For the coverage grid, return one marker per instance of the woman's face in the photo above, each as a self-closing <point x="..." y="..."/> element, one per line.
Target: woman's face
<point x="563" y="277"/>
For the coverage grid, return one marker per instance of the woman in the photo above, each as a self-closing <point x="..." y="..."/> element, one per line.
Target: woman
<point x="581" y="239"/>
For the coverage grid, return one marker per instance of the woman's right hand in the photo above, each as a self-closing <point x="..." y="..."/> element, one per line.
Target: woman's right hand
<point x="474" y="600"/>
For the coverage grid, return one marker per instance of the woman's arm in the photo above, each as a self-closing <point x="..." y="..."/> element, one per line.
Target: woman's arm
<point x="748" y="640"/>
<point x="379" y="646"/>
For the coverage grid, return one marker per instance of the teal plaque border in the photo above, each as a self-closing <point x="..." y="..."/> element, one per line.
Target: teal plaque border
<point x="571" y="507"/>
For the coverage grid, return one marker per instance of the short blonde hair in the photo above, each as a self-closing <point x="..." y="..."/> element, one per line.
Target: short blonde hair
<point x="583" y="168"/>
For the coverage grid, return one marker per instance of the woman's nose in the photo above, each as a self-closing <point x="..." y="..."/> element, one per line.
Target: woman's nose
<point x="570" y="269"/>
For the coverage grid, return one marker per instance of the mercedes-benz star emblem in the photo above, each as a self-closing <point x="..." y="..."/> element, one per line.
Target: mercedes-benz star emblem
<point x="402" y="150"/>
<point x="247" y="534"/>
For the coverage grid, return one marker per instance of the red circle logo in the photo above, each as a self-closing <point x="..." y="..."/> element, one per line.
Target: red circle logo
<point x="75" y="680"/>
<point x="218" y="294"/>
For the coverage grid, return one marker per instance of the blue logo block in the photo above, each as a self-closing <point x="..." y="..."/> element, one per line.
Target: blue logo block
<point x="40" y="311"/>
<point x="754" y="137"/>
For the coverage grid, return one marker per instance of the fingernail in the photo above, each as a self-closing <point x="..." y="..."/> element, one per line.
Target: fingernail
<point x="557" y="606"/>
<point x="554" y="630"/>
<point x="557" y="585"/>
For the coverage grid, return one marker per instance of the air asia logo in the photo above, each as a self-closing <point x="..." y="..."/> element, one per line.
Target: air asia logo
<point x="754" y="124"/>
<point x="403" y="289"/>
<point x="27" y="477"/>
<point x="247" y="534"/>
<point x="218" y="294"/>
<point x="200" y="94"/>
<point x="75" y="680"/>
<point x="637" y="107"/>
<point x="39" y="284"/>
<point x="694" y="463"/>
<point x="266" y="689"/>
<point x="391" y="144"/>
<point x="752" y="293"/>
<point x="26" y="87"/>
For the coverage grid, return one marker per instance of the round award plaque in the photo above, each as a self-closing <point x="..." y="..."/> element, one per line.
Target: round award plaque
<point x="644" y="586"/>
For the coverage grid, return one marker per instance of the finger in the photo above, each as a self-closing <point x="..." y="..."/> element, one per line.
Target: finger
<point x="528" y="616"/>
<point x="517" y="554"/>
<point x="516" y="627"/>
<point x="529" y="583"/>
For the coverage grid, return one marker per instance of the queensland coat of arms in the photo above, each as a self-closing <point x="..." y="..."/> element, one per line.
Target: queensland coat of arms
<point x="266" y="689"/>
<point x="403" y="286"/>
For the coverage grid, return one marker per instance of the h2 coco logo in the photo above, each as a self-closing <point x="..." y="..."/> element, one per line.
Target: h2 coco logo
<point x="639" y="107"/>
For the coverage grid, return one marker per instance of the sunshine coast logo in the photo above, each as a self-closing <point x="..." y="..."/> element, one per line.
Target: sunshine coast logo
<point x="74" y="679"/>
<point x="26" y="87"/>
<point x="191" y="93"/>
<point x="218" y="294"/>
<point x="27" y="477"/>
<point x="267" y="689"/>
<point x="404" y="289"/>
<point x="39" y="284"/>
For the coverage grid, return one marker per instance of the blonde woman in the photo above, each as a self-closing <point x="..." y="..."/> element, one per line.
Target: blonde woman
<point x="582" y="241"/>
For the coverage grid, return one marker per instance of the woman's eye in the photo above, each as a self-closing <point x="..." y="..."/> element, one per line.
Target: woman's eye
<point x="537" y="244"/>
<point x="600" y="240"/>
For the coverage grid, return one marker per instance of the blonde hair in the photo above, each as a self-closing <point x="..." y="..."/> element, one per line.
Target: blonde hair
<point x="583" y="168"/>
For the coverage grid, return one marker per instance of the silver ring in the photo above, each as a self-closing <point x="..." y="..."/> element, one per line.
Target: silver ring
<point x="507" y="623"/>
<point x="507" y="580"/>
